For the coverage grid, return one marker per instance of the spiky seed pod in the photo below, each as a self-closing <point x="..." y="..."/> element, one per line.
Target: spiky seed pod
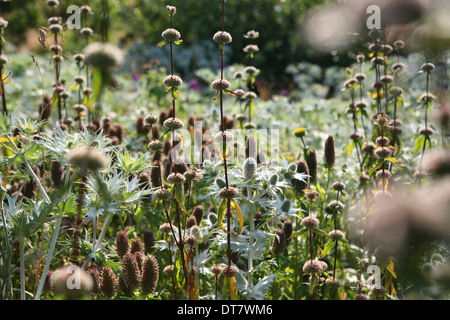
<point x="336" y="206"/>
<point x="312" y="267"/>
<point x="130" y="269"/>
<point x="149" y="241"/>
<point x="136" y="245"/>
<point x="228" y="193"/>
<point x="311" y="161"/>
<point x="45" y="108"/>
<point x="310" y="222"/>
<point x="198" y="213"/>
<point x="338" y="186"/>
<point x="191" y="221"/>
<point x="298" y="184"/>
<point x="250" y="147"/>
<point x="155" y="176"/>
<point x="336" y="235"/>
<point x="104" y="56"/>
<point x="122" y="243"/>
<point x="329" y="152"/>
<point x="279" y="242"/>
<point x="273" y="180"/>
<point x="56" y="174"/>
<point x="230" y="271"/>
<point x="216" y="270"/>
<point x="171" y="35"/>
<point x="220" y="85"/>
<point x="140" y="126"/>
<point x="124" y="287"/>
<point x="251" y="48"/>
<point x="220" y="183"/>
<point x="288" y="230"/>
<point x="169" y="270"/>
<point x="212" y="217"/>
<point x="173" y="124"/>
<point x="222" y="37"/>
<point x="249" y="168"/>
<point x="95" y="275"/>
<point x="140" y="259"/>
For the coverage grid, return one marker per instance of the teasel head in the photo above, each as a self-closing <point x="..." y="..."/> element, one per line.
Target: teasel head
<point x="155" y="175"/>
<point x="96" y="280"/>
<point x="288" y="230"/>
<point x="198" y="213"/>
<point x="250" y="147"/>
<point x="45" y="108"/>
<point x="122" y="243"/>
<point x="130" y="269"/>
<point x="279" y="243"/>
<point x="141" y="127"/>
<point x="299" y="185"/>
<point x="56" y="174"/>
<point x="136" y="245"/>
<point x="329" y="152"/>
<point x="191" y="221"/>
<point x="149" y="241"/>
<point x="311" y="161"/>
<point x="150" y="275"/>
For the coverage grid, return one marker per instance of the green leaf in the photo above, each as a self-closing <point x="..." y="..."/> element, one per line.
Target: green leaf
<point x="344" y="243"/>
<point x="178" y="42"/>
<point x="174" y="93"/>
<point x="320" y="232"/>
<point x="394" y="160"/>
<point x="162" y="43"/>
<point x="420" y="141"/>
<point x="328" y="247"/>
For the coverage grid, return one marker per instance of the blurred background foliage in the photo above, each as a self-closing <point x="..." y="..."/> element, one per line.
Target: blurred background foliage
<point x="137" y="26"/>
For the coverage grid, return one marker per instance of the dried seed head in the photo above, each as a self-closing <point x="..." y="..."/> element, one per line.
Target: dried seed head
<point x="356" y="136"/>
<point x="87" y="32"/>
<point x="333" y="283"/>
<point x="378" y="292"/>
<point x="387" y="79"/>
<point x="399" y="44"/>
<point x="228" y="193"/>
<point x="375" y="47"/>
<point x="378" y="60"/>
<point x="310" y="222"/>
<point x="173" y="124"/>
<point x="249" y="168"/>
<point x="216" y="269"/>
<point x="79" y="57"/>
<point x="150" y="275"/>
<point x="171" y="10"/>
<point x="338" y="186"/>
<point x="251" y="48"/>
<point x="395" y="92"/>
<point x="311" y="161"/>
<point x="171" y="35"/>
<point x="249" y="95"/>
<point x="222" y="136"/>
<point x="288" y="230"/>
<point x="96" y="281"/>
<point x="311" y="195"/>
<point x="109" y="282"/>
<point x="104" y="56"/>
<point x="398" y="67"/>
<point x="3" y="23"/>
<point x="169" y="270"/>
<point x="279" y="242"/>
<point x="136" y="245"/>
<point x="130" y="269"/>
<point x="122" y="243"/>
<point x="79" y="108"/>
<point x="382" y="141"/>
<point x="387" y="49"/>
<point x="87" y="158"/>
<point x="336" y="235"/>
<point x="360" y="58"/>
<point x="222" y="37"/>
<point x="172" y="81"/>
<point x="55" y="28"/>
<point x="52" y="3"/>
<point x="191" y="221"/>
<point x="151" y="120"/>
<point x="383" y="175"/>
<point x="198" y="213"/>
<point x="336" y="206"/>
<point x="252" y="70"/>
<point x="176" y="178"/>
<point x="427" y="67"/>
<point x="360" y="77"/>
<point x="382" y="196"/>
<point x="426" y="97"/>
<point x="382" y="152"/>
<point x="238" y="75"/>
<point x="220" y="84"/>
<point x="155" y="145"/>
<point x="165" y="228"/>
<point x="359" y="296"/>
<point x="329" y="152"/>
<point x="230" y="271"/>
<point x="312" y="267"/>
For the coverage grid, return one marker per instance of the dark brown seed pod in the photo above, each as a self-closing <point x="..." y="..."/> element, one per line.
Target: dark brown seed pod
<point x="122" y="243"/>
<point x="149" y="241"/>
<point x="56" y="174"/>
<point x="95" y="275"/>
<point x="109" y="282"/>
<point x="279" y="242"/>
<point x="329" y="152"/>
<point x="137" y="245"/>
<point x="230" y="271"/>
<point x="288" y="230"/>
<point x="299" y="185"/>
<point x="45" y="108"/>
<point x="228" y="193"/>
<point x="130" y="269"/>
<point x="191" y="221"/>
<point x="198" y="213"/>
<point x="150" y="275"/>
<point x="311" y="161"/>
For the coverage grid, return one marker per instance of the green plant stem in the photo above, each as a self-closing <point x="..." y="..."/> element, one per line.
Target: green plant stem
<point x="22" y="266"/>
<point x="100" y="238"/>
<point x="49" y="257"/>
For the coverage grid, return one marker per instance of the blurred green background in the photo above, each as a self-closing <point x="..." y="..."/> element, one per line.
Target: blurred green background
<point x="136" y="25"/>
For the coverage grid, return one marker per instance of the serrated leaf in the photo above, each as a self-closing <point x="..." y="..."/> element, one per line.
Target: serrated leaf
<point x="328" y="247"/>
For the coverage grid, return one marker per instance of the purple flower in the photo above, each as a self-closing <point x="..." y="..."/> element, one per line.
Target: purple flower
<point x="194" y="85"/>
<point x="137" y="76"/>
<point x="284" y="92"/>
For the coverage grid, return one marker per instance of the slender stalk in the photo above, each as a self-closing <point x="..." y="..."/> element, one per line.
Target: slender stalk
<point x="49" y="257"/>
<point x="22" y="266"/>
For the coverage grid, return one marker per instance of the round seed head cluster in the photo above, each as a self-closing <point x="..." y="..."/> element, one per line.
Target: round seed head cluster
<point x="222" y="37"/>
<point x="172" y="81"/>
<point x="252" y="34"/>
<point x="151" y="120"/>
<point x="228" y="193"/>
<point x="336" y="206"/>
<point x="171" y="35"/>
<point x="252" y="70"/>
<point x="230" y="271"/>
<point x="163" y="194"/>
<point x="312" y="267"/>
<point x="216" y="269"/>
<point x="310" y="222"/>
<point x="176" y="178"/>
<point x="339" y="186"/>
<point x="155" y="145"/>
<point x="251" y="48"/>
<point x="336" y="235"/>
<point x="220" y="84"/>
<point x="104" y="56"/>
<point x="173" y="124"/>
<point x="169" y="270"/>
<point x="87" y="158"/>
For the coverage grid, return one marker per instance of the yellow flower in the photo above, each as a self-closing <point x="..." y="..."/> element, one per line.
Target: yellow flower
<point x="300" y="132"/>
